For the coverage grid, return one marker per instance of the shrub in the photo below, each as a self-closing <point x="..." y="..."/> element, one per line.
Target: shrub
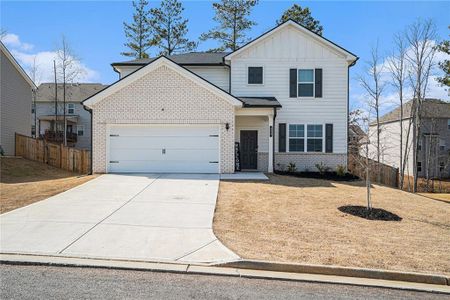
<point x="340" y="170"/>
<point x="291" y="167"/>
<point x="322" y="168"/>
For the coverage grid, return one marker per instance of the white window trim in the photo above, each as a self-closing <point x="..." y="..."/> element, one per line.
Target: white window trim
<point x="263" y="75"/>
<point x="70" y="106"/>
<point x="313" y="83"/>
<point x="305" y="145"/>
<point x="80" y="126"/>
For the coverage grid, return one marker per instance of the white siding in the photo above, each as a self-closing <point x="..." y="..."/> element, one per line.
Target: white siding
<point x="290" y="48"/>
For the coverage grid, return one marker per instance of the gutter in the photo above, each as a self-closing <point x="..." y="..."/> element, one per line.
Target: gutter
<point x="92" y="137"/>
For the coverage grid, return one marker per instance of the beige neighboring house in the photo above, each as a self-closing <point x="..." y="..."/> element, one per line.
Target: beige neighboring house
<point x="16" y="92"/>
<point x="282" y="98"/>
<point x="434" y="142"/>
<point x="78" y="120"/>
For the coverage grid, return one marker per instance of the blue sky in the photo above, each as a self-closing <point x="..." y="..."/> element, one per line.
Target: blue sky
<point x="95" y="30"/>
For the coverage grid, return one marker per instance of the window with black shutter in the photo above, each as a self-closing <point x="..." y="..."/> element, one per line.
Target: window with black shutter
<point x="282" y="137"/>
<point x="329" y="138"/>
<point x="255" y="75"/>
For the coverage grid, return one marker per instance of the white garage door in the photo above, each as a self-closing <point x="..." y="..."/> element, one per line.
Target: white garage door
<point x="170" y="148"/>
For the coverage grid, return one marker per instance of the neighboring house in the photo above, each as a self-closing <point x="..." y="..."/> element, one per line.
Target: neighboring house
<point x="16" y="92"/>
<point x="356" y="138"/>
<point x="434" y="140"/>
<point x="281" y="98"/>
<point x="78" y="119"/>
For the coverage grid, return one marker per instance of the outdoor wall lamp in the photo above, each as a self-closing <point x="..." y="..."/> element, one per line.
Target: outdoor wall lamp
<point x="227" y="126"/>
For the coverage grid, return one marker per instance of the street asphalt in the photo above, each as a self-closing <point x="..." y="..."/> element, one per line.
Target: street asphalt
<point x="44" y="282"/>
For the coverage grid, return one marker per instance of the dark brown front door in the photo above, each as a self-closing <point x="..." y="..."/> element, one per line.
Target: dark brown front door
<point x="249" y="149"/>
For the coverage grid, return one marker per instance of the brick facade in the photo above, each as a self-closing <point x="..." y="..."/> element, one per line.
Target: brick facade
<point x="307" y="161"/>
<point x="163" y="96"/>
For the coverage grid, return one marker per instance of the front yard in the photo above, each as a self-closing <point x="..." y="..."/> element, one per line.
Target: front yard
<point x="297" y="220"/>
<point x="23" y="182"/>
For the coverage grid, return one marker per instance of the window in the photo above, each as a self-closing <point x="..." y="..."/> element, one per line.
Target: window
<point x="33" y="130"/>
<point x="314" y="138"/>
<point x="70" y="108"/>
<point x="441" y="166"/>
<point x="80" y="130"/>
<point x="33" y="108"/>
<point x="296" y="138"/>
<point x="255" y="75"/>
<point x="419" y="166"/>
<point x="305" y="83"/>
<point x="442" y="145"/>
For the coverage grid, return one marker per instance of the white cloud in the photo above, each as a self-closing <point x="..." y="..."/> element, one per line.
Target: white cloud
<point x="44" y="61"/>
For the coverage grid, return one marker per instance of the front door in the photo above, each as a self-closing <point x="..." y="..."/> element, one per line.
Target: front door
<point x="249" y="149"/>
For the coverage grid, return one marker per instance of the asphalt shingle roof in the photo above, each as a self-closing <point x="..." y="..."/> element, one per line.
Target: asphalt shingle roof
<point x="75" y="92"/>
<point x="192" y="58"/>
<point x="260" y="101"/>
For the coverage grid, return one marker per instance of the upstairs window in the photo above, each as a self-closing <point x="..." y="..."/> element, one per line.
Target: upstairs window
<point x="70" y="108"/>
<point x="255" y="75"/>
<point x="306" y="83"/>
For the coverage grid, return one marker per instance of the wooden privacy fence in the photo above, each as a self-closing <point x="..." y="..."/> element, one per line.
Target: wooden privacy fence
<point x="57" y="155"/>
<point x="379" y="172"/>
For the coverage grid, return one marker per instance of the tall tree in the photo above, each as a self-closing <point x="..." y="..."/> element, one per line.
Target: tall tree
<point x="303" y="17"/>
<point x="170" y="28"/>
<point x="421" y="37"/>
<point x="374" y="86"/>
<point x="69" y="70"/>
<point x="397" y="67"/>
<point x="233" y="21"/>
<point x="138" y="33"/>
<point x="444" y="47"/>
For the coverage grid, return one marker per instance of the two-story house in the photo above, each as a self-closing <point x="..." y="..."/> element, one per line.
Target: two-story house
<point x="47" y="119"/>
<point x="16" y="92"/>
<point x="434" y="141"/>
<point x="281" y="98"/>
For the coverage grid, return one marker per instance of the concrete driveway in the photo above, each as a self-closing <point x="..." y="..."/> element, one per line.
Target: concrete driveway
<point x="166" y="217"/>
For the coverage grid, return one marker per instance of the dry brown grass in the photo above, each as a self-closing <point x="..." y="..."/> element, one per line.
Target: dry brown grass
<point x="23" y="182"/>
<point x="297" y="220"/>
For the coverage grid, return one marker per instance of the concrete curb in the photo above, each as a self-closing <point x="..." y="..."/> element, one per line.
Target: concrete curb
<point x="198" y="269"/>
<point x="339" y="271"/>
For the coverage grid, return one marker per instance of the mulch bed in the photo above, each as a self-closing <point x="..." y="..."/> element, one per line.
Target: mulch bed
<point x="327" y="175"/>
<point x="377" y="214"/>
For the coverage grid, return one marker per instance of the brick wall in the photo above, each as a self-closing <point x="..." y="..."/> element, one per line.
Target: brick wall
<point x="163" y="97"/>
<point x="307" y="161"/>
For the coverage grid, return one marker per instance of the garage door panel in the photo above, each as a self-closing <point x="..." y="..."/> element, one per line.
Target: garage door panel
<point x="170" y="155"/>
<point x="163" y="167"/>
<point x="173" y="149"/>
<point x="139" y="131"/>
<point x="146" y="142"/>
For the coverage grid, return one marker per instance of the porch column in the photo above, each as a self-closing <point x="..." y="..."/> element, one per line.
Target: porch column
<point x="271" y="132"/>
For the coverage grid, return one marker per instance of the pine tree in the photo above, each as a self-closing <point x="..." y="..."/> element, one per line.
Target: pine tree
<point x="138" y="33"/>
<point x="303" y="17"/>
<point x="232" y="16"/>
<point x="170" y="28"/>
<point x="444" y="65"/>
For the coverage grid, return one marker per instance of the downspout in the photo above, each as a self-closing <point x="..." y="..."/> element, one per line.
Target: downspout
<point x="273" y="138"/>
<point x="92" y="137"/>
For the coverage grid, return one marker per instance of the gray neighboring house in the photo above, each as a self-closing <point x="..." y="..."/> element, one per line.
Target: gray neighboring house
<point x="16" y="94"/>
<point x="78" y="120"/>
<point x="434" y="145"/>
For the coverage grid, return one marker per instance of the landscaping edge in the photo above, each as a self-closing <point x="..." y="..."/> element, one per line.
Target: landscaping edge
<point x="225" y="269"/>
<point x="338" y="271"/>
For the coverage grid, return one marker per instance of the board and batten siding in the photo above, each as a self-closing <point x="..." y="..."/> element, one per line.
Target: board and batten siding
<point x="217" y="75"/>
<point x="286" y="49"/>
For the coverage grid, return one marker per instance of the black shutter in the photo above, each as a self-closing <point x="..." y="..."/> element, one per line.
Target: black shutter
<point x="282" y="137"/>
<point x="318" y="84"/>
<point x="293" y="83"/>
<point x="329" y="138"/>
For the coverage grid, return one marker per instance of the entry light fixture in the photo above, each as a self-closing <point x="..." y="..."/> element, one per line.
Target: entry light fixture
<point x="227" y="126"/>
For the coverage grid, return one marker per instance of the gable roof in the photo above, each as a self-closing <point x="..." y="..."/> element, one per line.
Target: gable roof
<point x="431" y="108"/>
<point x="187" y="59"/>
<point x="75" y="92"/>
<point x="350" y="57"/>
<point x="162" y="60"/>
<point x="17" y="66"/>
